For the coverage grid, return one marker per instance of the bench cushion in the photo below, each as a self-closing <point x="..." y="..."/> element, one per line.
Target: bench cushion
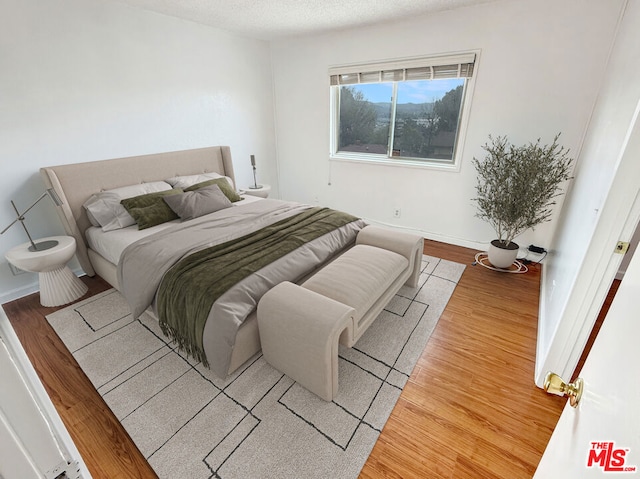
<point x="359" y="277"/>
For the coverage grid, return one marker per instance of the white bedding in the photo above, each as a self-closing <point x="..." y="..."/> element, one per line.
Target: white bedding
<point x="111" y="244"/>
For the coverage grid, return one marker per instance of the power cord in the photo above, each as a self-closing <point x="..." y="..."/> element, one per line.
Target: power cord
<point x="536" y="250"/>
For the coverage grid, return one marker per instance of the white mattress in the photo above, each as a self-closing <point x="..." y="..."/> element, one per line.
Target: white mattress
<point x="111" y="244"/>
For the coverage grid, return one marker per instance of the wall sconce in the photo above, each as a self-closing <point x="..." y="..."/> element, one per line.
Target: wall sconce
<point x="255" y="186"/>
<point x="43" y="245"/>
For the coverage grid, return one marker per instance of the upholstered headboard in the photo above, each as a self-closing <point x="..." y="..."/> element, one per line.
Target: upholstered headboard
<point x="75" y="183"/>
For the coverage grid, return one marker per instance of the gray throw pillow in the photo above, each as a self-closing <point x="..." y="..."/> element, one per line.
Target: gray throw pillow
<point x="224" y="186"/>
<point x="202" y="201"/>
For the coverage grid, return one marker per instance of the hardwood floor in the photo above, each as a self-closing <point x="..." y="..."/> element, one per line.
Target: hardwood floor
<point x="469" y="410"/>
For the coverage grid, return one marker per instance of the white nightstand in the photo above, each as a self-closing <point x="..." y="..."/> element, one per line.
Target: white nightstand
<point x="58" y="284"/>
<point x="262" y="192"/>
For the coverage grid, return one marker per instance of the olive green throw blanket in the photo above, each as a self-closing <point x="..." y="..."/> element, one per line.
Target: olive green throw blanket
<point x="189" y="289"/>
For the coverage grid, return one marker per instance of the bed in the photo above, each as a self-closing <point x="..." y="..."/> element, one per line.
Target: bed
<point x="77" y="184"/>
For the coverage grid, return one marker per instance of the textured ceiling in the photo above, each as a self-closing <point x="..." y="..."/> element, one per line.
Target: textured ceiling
<point x="271" y="19"/>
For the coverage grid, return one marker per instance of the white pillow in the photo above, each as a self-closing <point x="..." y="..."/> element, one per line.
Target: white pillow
<point x="105" y="207"/>
<point x="187" y="181"/>
<point x="92" y="220"/>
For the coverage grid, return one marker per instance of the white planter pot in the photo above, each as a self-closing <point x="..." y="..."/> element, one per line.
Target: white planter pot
<point x="502" y="257"/>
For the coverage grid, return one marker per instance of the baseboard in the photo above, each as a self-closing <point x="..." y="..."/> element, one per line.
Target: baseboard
<point x="480" y="246"/>
<point x="18" y="293"/>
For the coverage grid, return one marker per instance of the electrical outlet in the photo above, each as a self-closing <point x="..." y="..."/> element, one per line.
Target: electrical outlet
<point x="397" y="213"/>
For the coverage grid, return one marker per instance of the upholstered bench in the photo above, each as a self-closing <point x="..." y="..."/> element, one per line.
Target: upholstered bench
<point x="301" y="325"/>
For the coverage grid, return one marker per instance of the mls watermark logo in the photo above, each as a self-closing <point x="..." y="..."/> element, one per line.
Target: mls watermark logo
<point x="609" y="458"/>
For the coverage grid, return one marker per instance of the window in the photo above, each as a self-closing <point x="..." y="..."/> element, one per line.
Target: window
<point x="403" y="111"/>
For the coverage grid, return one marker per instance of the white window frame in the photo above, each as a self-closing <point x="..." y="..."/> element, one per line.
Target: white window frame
<point x="402" y="64"/>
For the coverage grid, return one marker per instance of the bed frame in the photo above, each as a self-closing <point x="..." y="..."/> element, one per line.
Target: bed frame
<point x="75" y="183"/>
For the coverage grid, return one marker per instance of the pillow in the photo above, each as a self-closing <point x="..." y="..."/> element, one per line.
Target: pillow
<point x="202" y="201"/>
<point x="104" y="208"/>
<point x="228" y="191"/>
<point x="150" y="209"/>
<point x="187" y="181"/>
<point x="92" y="219"/>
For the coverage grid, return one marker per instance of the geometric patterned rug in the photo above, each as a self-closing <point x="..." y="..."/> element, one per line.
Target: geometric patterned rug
<point x="257" y="423"/>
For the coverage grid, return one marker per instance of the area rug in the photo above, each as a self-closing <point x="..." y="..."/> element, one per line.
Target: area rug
<point x="257" y="423"/>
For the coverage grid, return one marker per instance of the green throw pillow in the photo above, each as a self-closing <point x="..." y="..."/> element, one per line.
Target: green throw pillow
<point x="222" y="183"/>
<point x="150" y="209"/>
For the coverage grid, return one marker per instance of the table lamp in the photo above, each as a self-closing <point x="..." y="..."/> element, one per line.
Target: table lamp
<point x="255" y="186"/>
<point x="43" y="245"/>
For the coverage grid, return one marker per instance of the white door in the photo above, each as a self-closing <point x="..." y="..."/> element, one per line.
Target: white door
<point x="601" y="436"/>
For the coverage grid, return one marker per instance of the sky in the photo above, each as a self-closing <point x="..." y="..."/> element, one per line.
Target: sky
<point x="422" y="91"/>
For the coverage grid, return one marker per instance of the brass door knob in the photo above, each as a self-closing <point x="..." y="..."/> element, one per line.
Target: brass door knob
<point x="554" y="384"/>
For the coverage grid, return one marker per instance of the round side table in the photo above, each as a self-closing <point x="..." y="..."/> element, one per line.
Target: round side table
<point x="262" y="191"/>
<point x="58" y="284"/>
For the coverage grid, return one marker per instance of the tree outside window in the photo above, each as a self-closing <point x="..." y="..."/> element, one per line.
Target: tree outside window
<point x="418" y="119"/>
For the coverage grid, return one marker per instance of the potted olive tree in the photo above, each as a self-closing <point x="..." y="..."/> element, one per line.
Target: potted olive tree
<point x="515" y="189"/>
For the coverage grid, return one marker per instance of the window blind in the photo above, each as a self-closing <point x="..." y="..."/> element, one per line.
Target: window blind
<point x="428" y="68"/>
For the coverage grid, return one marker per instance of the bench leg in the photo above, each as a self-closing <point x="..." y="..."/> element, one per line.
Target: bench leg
<point x="299" y="333"/>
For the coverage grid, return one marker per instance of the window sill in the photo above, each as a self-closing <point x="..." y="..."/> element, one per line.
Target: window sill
<point x="399" y="162"/>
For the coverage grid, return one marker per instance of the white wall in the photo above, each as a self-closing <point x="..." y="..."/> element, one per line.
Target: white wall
<point x="84" y="80"/>
<point x="594" y="212"/>
<point x="540" y="67"/>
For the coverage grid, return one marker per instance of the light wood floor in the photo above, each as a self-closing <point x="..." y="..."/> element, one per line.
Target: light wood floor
<point x="469" y="410"/>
